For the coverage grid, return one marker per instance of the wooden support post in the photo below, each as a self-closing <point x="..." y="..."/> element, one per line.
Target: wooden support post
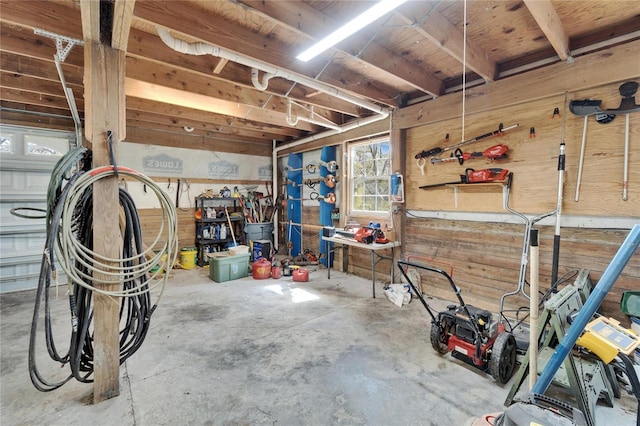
<point x="104" y="75"/>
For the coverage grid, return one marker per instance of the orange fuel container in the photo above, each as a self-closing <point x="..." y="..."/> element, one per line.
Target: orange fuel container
<point x="301" y="275"/>
<point x="276" y="272"/>
<point x="261" y="269"/>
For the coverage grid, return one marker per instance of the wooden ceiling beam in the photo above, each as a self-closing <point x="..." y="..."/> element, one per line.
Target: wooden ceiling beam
<point x="220" y="66"/>
<point x="169" y="76"/>
<point x="196" y="23"/>
<point x="23" y="42"/>
<point x="549" y="22"/>
<point x="53" y="16"/>
<point x="33" y="98"/>
<point x="168" y="128"/>
<point x="442" y="33"/>
<point x="154" y="92"/>
<point x="151" y="72"/>
<point x="203" y="116"/>
<point x="33" y="67"/>
<point x="35" y="85"/>
<point x="90" y="18"/>
<point x="143" y="136"/>
<point x="378" y="128"/>
<point x="311" y="23"/>
<point x="122" y="15"/>
<point x="23" y="119"/>
<point x="585" y="72"/>
<point x="35" y="110"/>
<point x="241" y="133"/>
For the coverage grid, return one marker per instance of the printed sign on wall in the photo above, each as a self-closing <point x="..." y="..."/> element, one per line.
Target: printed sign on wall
<point x="162" y="163"/>
<point x="223" y="169"/>
<point x="155" y="160"/>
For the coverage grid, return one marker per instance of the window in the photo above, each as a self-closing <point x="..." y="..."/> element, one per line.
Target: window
<point x="6" y="144"/>
<point x="45" y="145"/>
<point x="370" y="170"/>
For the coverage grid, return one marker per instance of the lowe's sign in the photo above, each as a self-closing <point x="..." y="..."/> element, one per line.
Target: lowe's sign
<point x="162" y="163"/>
<point x="265" y="172"/>
<point x="223" y="169"/>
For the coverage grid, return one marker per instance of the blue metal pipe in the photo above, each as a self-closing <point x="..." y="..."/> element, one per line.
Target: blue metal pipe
<point x="610" y="275"/>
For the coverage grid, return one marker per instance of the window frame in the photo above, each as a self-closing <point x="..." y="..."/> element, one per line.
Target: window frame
<point x="384" y="179"/>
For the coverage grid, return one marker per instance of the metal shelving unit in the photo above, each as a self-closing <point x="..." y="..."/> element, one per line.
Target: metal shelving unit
<point x="213" y="217"/>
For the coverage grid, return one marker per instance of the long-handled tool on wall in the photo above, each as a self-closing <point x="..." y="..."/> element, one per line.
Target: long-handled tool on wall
<point x="495" y="152"/>
<point x="556" y="237"/>
<point x="436" y="151"/>
<point x="628" y="105"/>
<point x="584" y="108"/>
<point x="474" y="176"/>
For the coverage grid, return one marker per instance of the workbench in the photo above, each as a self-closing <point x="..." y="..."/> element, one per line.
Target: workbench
<point x="374" y="248"/>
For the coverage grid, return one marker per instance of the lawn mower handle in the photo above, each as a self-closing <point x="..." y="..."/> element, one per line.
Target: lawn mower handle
<point x="456" y="290"/>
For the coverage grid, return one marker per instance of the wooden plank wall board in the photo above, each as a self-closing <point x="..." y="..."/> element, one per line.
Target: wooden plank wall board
<point x="150" y="221"/>
<point x="486" y="259"/>
<point x="533" y="161"/>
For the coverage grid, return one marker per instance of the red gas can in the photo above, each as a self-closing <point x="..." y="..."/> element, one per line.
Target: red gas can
<point x="276" y="272"/>
<point x="301" y="275"/>
<point x="261" y="269"/>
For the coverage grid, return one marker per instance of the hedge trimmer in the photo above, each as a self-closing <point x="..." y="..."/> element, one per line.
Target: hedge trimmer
<point x="475" y="176"/>
<point x="495" y="152"/>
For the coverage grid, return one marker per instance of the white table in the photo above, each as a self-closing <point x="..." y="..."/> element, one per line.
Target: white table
<point x="374" y="248"/>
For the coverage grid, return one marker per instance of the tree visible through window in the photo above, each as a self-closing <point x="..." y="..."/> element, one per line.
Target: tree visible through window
<point x="370" y="170"/>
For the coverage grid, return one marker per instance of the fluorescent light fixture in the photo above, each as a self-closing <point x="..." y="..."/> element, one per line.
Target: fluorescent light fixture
<point x="356" y="24"/>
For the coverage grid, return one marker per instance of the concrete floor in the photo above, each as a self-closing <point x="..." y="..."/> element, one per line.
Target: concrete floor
<point x="250" y="352"/>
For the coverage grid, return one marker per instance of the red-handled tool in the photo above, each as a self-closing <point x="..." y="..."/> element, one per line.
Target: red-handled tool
<point x="436" y="151"/>
<point x="495" y="152"/>
<point x="475" y="176"/>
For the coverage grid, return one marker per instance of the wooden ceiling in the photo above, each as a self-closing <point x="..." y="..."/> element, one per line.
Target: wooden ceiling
<point x="413" y="54"/>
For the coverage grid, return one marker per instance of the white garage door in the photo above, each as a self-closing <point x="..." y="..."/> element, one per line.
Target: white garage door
<point x="27" y="157"/>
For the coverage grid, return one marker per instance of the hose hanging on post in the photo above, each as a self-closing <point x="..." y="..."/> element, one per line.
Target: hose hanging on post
<point x="70" y="238"/>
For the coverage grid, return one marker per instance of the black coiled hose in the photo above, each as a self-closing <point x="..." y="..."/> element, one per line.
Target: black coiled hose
<point x="135" y="310"/>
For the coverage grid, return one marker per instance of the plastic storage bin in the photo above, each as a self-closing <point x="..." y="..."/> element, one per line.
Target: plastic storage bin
<point x="228" y="268"/>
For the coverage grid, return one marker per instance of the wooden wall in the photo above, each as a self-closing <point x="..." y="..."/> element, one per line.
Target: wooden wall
<point x="150" y="219"/>
<point x="486" y="259"/>
<point x="533" y="161"/>
<point x="486" y="255"/>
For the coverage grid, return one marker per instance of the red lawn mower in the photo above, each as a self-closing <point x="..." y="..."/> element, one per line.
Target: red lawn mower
<point x="469" y="333"/>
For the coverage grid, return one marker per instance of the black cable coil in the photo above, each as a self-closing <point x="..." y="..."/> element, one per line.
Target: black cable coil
<point x="135" y="311"/>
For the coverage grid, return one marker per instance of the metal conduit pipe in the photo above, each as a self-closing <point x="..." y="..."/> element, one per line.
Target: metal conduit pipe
<point x="208" y="49"/>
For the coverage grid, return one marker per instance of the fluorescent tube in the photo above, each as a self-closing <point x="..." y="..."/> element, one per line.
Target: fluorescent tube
<point x="356" y="24"/>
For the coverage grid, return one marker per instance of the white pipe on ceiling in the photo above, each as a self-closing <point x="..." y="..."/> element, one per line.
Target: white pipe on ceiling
<point x="271" y="71"/>
<point x="209" y="49"/>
